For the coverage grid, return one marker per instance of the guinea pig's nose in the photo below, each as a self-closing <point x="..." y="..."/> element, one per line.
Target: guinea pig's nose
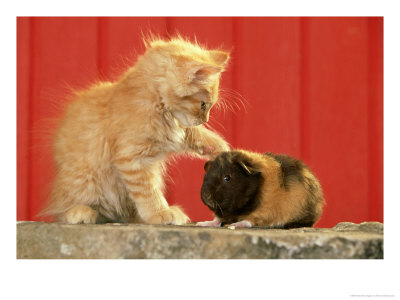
<point x="206" y="196"/>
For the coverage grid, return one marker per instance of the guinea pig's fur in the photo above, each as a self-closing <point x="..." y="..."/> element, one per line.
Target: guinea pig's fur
<point x="266" y="190"/>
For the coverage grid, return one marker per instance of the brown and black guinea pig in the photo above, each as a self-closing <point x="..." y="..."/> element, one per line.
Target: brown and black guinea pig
<point x="247" y="189"/>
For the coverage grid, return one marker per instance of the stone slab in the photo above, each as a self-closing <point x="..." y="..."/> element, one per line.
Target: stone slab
<point x="37" y="240"/>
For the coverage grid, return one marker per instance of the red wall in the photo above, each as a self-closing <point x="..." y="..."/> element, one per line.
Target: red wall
<point x="313" y="88"/>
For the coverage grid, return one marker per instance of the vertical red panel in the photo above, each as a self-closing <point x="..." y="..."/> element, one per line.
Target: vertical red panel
<point x="64" y="53"/>
<point x="187" y="174"/>
<point x="267" y="75"/>
<point x="120" y="41"/>
<point x="375" y="118"/>
<point x="336" y="102"/>
<point x="314" y="90"/>
<point x="23" y="116"/>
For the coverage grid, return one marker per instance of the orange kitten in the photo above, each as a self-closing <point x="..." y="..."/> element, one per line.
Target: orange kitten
<point x="114" y="138"/>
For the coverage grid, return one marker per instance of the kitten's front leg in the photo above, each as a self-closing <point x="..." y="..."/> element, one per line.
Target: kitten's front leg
<point x="205" y="142"/>
<point x="144" y="185"/>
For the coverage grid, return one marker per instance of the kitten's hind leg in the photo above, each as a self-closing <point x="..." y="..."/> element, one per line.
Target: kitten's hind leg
<point x="79" y="214"/>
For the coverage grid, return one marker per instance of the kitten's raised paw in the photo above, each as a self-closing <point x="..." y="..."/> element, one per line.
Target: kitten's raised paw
<point x="80" y="214"/>
<point x="172" y="215"/>
<point x="213" y="151"/>
<point x="214" y="223"/>
<point x="207" y="150"/>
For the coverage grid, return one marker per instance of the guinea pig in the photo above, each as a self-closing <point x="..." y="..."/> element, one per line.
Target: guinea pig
<point x="247" y="189"/>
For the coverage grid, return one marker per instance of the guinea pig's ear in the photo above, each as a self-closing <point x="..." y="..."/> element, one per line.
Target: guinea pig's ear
<point x="250" y="170"/>
<point x="207" y="165"/>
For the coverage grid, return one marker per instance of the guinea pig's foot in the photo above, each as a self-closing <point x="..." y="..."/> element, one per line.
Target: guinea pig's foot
<point x="244" y="223"/>
<point x="214" y="223"/>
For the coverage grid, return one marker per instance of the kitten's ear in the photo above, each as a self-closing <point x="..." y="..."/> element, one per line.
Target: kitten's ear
<point x="219" y="57"/>
<point x="202" y="73"/>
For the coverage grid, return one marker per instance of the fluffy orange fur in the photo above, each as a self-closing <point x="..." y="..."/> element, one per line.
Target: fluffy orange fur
<point x="114" y="138"/>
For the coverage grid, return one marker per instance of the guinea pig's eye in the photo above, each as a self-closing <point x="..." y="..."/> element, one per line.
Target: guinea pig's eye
<point x="227" y="178"/>
<point x="203" y="105"/>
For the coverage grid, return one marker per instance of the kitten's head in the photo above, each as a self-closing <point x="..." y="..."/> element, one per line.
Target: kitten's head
<point x="188" y="79"/>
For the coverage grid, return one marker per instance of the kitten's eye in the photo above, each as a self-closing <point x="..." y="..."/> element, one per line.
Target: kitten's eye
<point x="227" y="178"/>
<point x="203" y="105"/>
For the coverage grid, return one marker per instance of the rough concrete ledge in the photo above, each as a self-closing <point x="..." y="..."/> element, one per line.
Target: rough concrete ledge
<point x="54" y="240"/>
